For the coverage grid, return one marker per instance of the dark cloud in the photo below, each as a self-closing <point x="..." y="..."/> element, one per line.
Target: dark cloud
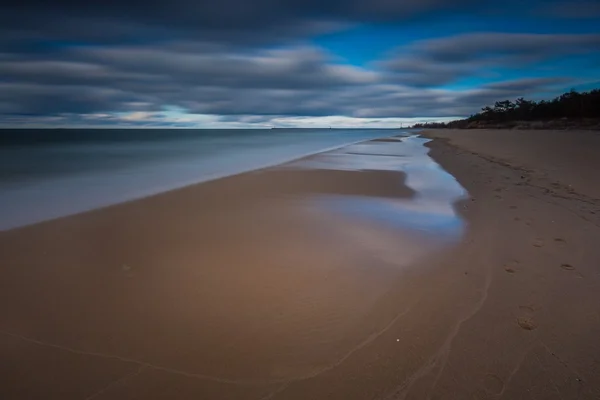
<point x="226" y="15"/>
<point x="35" y="25"/>
<point x="575" y="9"/>
<point x="512" y="47"/>
<point x="527" y="85"/>
<point x="440" y="61"/>
<point x="300" y="67"/>
<point x="231" y="21"/>
<point x="34" y="99"/>
<point x="251" y="105"/>
<point x="418" y="71"/>
<point x="248" y="86"/>
<point x="125" y="78"/>
<point x="63" y="58"/>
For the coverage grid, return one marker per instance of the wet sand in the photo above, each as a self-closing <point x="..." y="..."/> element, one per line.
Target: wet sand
<point x="244" y="288"/>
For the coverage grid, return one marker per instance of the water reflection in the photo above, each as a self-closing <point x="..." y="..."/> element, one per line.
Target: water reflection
<point x="429" y="213"/>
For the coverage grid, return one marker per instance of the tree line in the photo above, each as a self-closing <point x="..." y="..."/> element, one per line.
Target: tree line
<point x="571" y="105"/>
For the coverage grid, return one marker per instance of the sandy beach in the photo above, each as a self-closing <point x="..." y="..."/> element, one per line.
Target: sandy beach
<point x="248" y="288"/>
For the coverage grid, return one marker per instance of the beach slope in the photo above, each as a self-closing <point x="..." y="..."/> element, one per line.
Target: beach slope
<point x="241" y="289"/>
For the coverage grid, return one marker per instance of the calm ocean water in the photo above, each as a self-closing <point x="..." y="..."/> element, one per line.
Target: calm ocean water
<point x="46" y="174"/>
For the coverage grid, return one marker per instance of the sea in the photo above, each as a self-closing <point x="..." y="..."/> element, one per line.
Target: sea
<point x="50" y="173"/>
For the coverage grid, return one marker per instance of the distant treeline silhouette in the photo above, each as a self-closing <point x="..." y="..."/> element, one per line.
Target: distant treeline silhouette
<point x="571" y="108"/>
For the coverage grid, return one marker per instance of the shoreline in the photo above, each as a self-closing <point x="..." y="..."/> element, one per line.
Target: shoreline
<point x="184" y="283"/>
<point x="188" y="185"/>
<point x="536" y="203"/>
<point x="233" y="289"/>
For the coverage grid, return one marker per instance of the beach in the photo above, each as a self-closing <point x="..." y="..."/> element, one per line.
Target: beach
<point x="310" y="280"/>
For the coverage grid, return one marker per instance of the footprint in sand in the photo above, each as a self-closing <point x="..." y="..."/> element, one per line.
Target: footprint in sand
<point x="538" y="243"/>
<point x="493" y="384"/>
<point x="560" y="242"/>
<point x="511" y="267"/>
<point x="525" y="320"/>
<point x="526" y="323"/>
<point x="567" y="267"/>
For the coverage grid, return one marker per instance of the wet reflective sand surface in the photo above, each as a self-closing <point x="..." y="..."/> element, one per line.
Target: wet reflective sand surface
<point x="426" y="219"/>
<point x="239" y="288"/>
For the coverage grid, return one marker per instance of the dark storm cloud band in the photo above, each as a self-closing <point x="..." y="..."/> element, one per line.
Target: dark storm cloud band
<point x="218" y="58"/>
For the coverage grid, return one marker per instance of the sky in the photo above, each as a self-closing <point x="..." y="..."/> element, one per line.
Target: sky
<point x="286" y="63"/>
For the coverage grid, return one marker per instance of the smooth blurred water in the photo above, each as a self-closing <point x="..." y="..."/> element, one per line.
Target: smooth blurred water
<point x="429" y="214"/>
<point x="46" y="174"/>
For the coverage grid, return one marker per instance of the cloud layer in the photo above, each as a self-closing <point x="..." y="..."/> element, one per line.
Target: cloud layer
<point x="254" y="63"/>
